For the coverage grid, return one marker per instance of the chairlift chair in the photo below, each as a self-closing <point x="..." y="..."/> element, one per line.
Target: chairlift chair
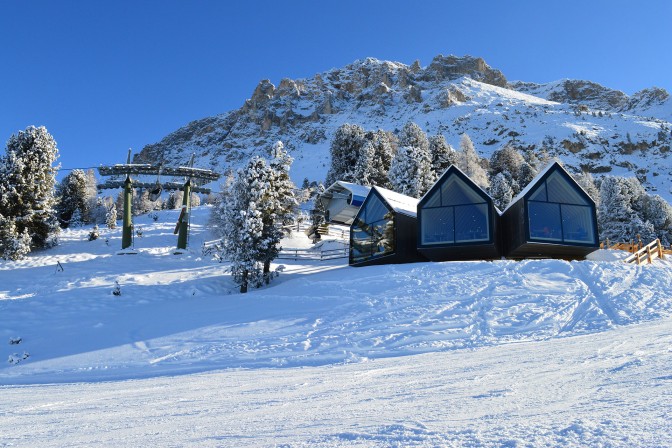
<point x="155" y="193"/>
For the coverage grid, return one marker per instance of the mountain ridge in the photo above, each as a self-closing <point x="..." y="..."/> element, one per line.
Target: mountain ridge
<point x="588" y="126"/>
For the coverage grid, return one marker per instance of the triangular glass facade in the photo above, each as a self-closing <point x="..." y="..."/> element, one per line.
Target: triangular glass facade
<point x="558" y="212"/>
<point x="454" y="214"/>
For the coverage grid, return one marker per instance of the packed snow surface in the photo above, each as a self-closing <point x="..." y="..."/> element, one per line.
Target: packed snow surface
<point x="505" y="353"/>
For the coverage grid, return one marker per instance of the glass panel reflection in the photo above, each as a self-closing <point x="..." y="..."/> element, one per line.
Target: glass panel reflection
<point x="372" y="232"/>
<point x="577" y="224"/>
<point x="437" y="225"/>
<point x="471" y="223"/>
<point x="545" y="222"/>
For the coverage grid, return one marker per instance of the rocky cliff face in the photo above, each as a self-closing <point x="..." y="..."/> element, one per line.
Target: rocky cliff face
<point x="588" y="126"/>
<point x="594" y="95"/>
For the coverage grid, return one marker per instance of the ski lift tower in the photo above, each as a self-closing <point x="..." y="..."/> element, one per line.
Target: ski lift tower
<point x="129" y="169"/>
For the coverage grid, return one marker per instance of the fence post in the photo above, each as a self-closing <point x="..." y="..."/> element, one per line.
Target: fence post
<point x="661" y="253"/>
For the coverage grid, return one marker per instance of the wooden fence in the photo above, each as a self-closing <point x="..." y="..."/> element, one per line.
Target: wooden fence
<point x="649" y="252"/>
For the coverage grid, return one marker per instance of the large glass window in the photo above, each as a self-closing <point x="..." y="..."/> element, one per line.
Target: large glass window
<point x="455" y="213"/>
<point x="557" y="212"/>
<point x="372" y="232"/>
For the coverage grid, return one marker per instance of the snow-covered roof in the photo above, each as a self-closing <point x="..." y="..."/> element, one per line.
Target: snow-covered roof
<point x="342" y="201"/>
<point x="400" y="203"/>
<point x="533" y="183"/>
<point x="355" y="189"/>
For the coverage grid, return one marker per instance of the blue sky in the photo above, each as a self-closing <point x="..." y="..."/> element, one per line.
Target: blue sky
<point x="106" y="76"/>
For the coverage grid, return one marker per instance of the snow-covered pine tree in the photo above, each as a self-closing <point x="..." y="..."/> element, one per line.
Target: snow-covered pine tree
<point x="243" y="226"/>
<point x="384" y="148"/>
<point x="470" y="163"/>
<point x="443" y="155"/>
<point x="71" y="194"/>
<point x="507" y="161"/>
<point x="500" y="191"/>
<point x="278" y="205"/>
<point x="141" y="204"/>
<point x="412" y="135"/>
<point x="364" y="171"/>
<point x="617" y="218"/>
<point x="411" y="173"/>
<point x="345" y="148"/>
<point x="76" y="219"/>
<point x="527" y="174"/>
<point x="27" y="179"/>
<point x="658" y="212"/>
<point x="99" y="212"/>
<point x="91" y="195"/>
<point x="174" y="200"/>
<point x="13" y="245"/>
<point x="111" y="216"/>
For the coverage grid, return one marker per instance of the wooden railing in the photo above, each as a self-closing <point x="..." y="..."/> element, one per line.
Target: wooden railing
<point x="632" y="247"/>
<point x="649" y="252"/>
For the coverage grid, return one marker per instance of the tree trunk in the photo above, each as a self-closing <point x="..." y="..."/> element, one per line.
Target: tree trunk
<point x="267" y="270"/>
<point x="243" y="283"/>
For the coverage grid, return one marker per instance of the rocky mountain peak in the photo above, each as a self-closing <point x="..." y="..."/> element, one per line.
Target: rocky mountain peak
<point x="581" y="121"/>
<point x="452" y="67"/>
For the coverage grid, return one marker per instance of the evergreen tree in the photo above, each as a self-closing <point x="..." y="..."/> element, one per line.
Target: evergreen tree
<point x="13" y="245"/>
<point x="500" y="191"/>
<point x="92" y="199"/>
<point x="278" y="206"/>
<point x="412" y="135"/>
<point x="99" y="212"/>
<point x="174" y="200"/>
<point x="141" y="204"/>
<point x="71" y="194"/>
<point x="470" y="163"/>
<point x="111" y="216"/>
<point x="260" y="204"/>
<point x="618" y="217"/>
<point x="345" y="148"/>
<point x="364" y="171"/>
<point x="527" y="174"/>
<point x="659" y="213"/>
<point x="384" y="148"/>
<point x="27" y="179"/>
<point x="443" y="155"/>
<point x="411" y="172"/>
<point x="243" y="226"/>
<point x="76" y="220"/>
<point x="507" y="161"/>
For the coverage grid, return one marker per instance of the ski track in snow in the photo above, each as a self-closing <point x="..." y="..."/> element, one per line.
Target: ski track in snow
<point x="504" y="353"/>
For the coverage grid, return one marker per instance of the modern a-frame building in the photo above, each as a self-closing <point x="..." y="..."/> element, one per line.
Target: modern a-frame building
<point x="384" y="230"/>
<point x="457" y="220"/>
<point x="552" y="217"/>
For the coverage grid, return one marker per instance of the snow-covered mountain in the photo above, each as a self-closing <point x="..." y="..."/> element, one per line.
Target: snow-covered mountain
<point x="590" y="127"/>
